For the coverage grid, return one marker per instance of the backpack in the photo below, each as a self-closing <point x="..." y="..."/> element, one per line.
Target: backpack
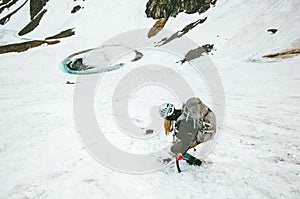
<point x="191" y="119"/>
<point x="193" y="109"/>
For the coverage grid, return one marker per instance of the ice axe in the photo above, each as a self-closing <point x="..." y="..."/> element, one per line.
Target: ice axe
<point x="179" y="156"/>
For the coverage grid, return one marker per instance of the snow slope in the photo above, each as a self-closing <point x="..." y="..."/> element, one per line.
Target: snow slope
<point x="257" y="155"/>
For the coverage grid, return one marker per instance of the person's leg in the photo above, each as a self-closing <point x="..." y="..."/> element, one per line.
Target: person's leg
<point x="177" y="148"/>
<point x="180" y="147"/>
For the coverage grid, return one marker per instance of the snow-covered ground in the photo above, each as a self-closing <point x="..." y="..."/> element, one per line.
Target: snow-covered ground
<point x="256" y="156"/>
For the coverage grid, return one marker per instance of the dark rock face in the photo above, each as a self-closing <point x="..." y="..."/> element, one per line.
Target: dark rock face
<point x="158" y="26"/>
<point x="62" y="34"/>
<point x="75" y="9"/>
<point x="5" y="19"/>
<point x="198" y="52"/>
<point x="182" y="32"/>
<point x="284" y="54"/>
<point x="78" y="65"/>
<point x="7" y="4"/>
<point x="157" y="9"/>
<point x="24" y="46"/>
<point x="272" y="30"/>
<point x="5" y="1"/>
<point x="36" y="6"/>
<point x="32" y="24"/>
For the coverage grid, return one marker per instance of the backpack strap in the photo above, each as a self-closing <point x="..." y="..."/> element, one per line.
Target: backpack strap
<point x="208" y="111"/>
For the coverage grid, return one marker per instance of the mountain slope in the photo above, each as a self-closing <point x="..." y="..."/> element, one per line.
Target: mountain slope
<point x="256" y="156"/>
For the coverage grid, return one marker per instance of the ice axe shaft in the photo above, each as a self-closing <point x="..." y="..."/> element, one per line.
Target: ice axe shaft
<point x="179" y="156"/>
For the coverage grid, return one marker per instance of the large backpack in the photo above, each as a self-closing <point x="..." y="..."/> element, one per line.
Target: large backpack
<point x="191" y="119"/>
<point x="193" y="109"/>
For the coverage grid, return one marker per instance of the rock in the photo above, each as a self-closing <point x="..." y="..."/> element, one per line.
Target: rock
<point x="36" y="6"/>
<point x="149" y="131"/>
<point x="272" y="30"/>
<point x="6" y="4"/>
<point x="75" y="9"/>
<point x="157" y="9"/>
<point x="5" y="19"/>
<point x="62" y="34"/>
<point x="68" y="82"/>
<point x="198" y="52"/>
<point x="182" y="32"/>
<point x="138" y="56"/>
<point x="158" y="26"/>
<point x="32" y="24"/>
<point x="284" y="54"/>
<point x="21" y="47"/>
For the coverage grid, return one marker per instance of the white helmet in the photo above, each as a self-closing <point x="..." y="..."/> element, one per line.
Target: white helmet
<point x="166" y="110"/>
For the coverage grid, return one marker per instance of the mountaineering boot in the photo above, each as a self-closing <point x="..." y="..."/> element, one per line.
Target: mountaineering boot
<point x="191" y="160"/>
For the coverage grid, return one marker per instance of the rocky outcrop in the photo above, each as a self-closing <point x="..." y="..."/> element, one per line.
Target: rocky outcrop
<point x="32" y="24"/>
<point x="157" y="9"/>
<point x="24" y="46"/>
<point x="75" y="9"/>
<point x="272" y="30"/>
<point x="163" y="9"/>
<point x="182" y="32"/>
<point x="284" y="54"/>
<point x="198" y="52"/>
<point x="158" y="26"/>
<point x="5" y="19"/>
<point x="36" y="14"/>
<point x="7" y="4"/>
<point x="62" y="34"/>
<point x="36" y="6"/>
